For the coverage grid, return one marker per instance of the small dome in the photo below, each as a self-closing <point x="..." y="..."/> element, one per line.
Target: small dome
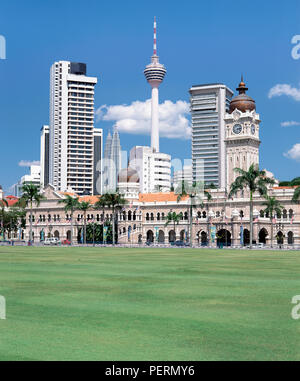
<point x="128" y="175"/>
<point x="242" y="101"/>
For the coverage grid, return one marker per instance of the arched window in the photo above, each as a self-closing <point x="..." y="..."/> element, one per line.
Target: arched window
<point x="284" y="213"/>
<point x="185" y="215"/>
<point x="158" y="216"/>
<point x="204" y="214"/>
<point x="98" y="217"/>
<point x="147" y="217"/>
<point x="199" y="214"/>
<point x="261" y="213"/>
<point x="49" y="217"/>
<point x="163" y="216"/>
<point x="129" y="215"/>
<point x="291" y="213"/>
<point x="152" y="217"/>
<point x="290" y="238"/>
<point x="279" y="214"/>
<point x="241" y="213"/>
<point x="217" y="213"/>
<point x="134" y="216"/>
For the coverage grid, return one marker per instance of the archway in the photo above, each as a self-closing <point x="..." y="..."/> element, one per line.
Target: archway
<point x="203" y="238"/>
<point x="182" y="235"/>
<point x="246" y="237"/>
<point x="140" y="238"/>
<point x="290" y="238"/>
<point x="262" y="235"/>
<point x="56" y="234"/>
<point x="172" y="236"/>
<point x="150" y="236"/>
<point x="224" y="237"/>
<point x="69" y="235"/>
<point x="161" y="236"/>
<point x="279" y="237"/>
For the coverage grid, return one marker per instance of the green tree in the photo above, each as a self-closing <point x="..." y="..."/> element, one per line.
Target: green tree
<point x="84" y="206"/>
<point x="174" y="218"/>
<point x="272" y="206"/>
<point x="195" y="193"/>
<point x="115" y="201"/>
<point x="31" y="194"/>
<point x="101" y="204"/>
<point x="3" y="205"/>
<point x="296" y="195"/>
<point x="254" y="180"/>
<point x="70" y="205"/>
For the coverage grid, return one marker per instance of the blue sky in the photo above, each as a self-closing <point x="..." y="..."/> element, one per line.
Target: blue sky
<point x="198" y="42"/>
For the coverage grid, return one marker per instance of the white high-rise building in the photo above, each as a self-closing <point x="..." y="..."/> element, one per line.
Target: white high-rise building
<point x="111" y="162"/>
<point x="154" y="169"/>
<point x="154" y="73"/>
<point x="186" y="175"/>
<point x="71" y="139"/>
<point x="209" y="104"/>
<point x="33" y="178"/>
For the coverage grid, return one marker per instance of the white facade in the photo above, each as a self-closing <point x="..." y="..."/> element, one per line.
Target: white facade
<point x="209" y="104"/>
<point x="71" y="127"/>
<point x="186" y="175"/>
<point x="154" y="169"/>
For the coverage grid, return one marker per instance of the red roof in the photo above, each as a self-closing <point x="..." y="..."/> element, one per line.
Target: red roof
<point x="11" y="200"/>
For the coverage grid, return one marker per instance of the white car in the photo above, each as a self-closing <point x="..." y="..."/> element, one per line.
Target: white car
<point x="52" y="241"/>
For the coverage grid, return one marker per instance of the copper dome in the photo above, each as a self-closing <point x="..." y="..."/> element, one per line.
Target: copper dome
<point x="242" y="101"/>
<point x="128" y="175"/>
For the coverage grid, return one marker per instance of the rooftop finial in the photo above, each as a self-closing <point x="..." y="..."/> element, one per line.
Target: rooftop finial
<point x="154" y="39"/>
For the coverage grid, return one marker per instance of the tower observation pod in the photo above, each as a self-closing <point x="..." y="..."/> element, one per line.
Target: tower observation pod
<point x="154" y="73"/>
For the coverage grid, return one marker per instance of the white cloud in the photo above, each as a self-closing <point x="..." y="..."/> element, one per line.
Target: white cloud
<point x="135" y="118"/>
<point x="290" y="123"/>
<point x="27" y="163"/>
<point x="284" y="89"/>
<point x="294" y="152"/>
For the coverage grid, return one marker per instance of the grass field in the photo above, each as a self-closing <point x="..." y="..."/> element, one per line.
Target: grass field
<point x="148" y="304"/>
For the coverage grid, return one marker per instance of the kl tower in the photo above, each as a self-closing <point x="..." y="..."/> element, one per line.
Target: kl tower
<point x="154" y="73"/>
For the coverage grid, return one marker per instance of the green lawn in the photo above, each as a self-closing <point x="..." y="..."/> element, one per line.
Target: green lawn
<point x="148" y="304"/>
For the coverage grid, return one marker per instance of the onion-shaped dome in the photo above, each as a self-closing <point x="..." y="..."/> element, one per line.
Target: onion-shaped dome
<point x="242" y="101"/>
<point x="128" y="175"/>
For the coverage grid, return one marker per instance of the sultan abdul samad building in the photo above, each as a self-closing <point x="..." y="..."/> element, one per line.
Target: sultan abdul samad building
<point x="218" y="220"/>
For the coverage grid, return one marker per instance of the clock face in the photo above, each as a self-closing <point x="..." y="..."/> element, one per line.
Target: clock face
<point x="237" y="128"/>
<point x="252" y="129"/>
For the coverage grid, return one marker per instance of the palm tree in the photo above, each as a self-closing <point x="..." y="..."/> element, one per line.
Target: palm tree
<point x="70" y="203"/>
<point x="115" y="201"/>
<point x="31" y="194"/>
<point x="3" y="204"/>
<point x="84" y="206"/>
<point x="194" y="192"/>
<point x="272" y="206"/>
<point x="100" y="205"/>
<point x="175" y="218"/>
<point x="296" y="195"/>
<point x="208" y="196"/>
<point x="255" y="180"/>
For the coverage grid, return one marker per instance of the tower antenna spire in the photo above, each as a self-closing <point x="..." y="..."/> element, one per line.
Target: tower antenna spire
<point x="154" y="37"/>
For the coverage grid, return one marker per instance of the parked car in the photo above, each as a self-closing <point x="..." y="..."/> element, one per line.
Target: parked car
<point x="52" y="241"/>
<point x="66" y="242"/>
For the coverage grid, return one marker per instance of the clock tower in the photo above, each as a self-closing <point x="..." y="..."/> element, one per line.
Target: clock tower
<point x="241" y="135"/>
